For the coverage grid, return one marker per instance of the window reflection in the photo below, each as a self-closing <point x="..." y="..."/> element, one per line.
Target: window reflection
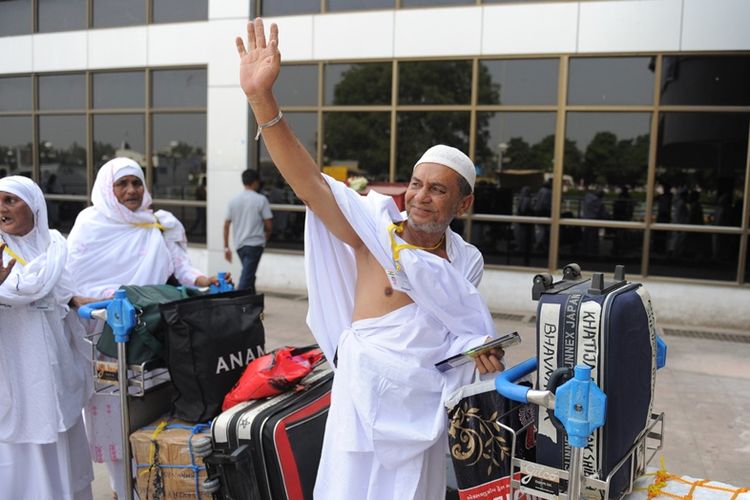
<point x="518" y="81"/>
<point x="601" y="249"/>
<point x="358" y="141"/>
<point x="15" y="146"/>
<point x="298" y="85"/>
<point x="119" y="135"/>
<point x="176" y="11"/>
<point x="15" y="93"/>
<point x="511" y="244"/>
<point x="289" y="7"/>
<point x="695" y="255"/>
<point x="350" y="84"/>
<point x="179" y="158"/>
<point x="606" y="161"/>
<point x="514" y="157"/>
<point x="434" y="82"/>
<point x="615" y="80"/>
<point x="179" y="88"/>
<point x="423" y="3"/>
<point x="701" y="161"/>
<point x="62" y="214"/>
<point x="348" y="5"/>
<point x="419" y="131"/>
<point x="305" y="126"/>
<point x="109" y="13"/>
<point x="705" y="80"/>
<point x="62" y="92"/>
<point x="62" y="154"/>
<point x="192" y="218"/>
<point x="61" y="15"/>
<point x="119" y="90"/>
<point x="15" y="17"/>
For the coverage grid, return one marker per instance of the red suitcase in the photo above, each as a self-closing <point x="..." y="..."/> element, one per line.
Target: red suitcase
<point x="269" y="449"/>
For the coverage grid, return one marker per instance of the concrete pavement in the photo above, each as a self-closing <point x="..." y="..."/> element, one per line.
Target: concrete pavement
<point x="704" y="391"/>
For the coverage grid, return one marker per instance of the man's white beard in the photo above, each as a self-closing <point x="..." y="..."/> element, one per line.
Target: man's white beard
<point x="428" y="227"/>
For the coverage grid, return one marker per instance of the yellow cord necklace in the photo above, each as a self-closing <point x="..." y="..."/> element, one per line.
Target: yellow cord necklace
<point x="396" y="248"/>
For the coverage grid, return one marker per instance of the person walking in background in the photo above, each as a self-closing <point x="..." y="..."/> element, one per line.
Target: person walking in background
<point x="251" y="214"/>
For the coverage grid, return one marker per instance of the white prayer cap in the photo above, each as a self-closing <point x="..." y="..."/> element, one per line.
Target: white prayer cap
<point x="452" y="158"/>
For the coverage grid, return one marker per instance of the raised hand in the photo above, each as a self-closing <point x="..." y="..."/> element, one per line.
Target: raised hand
<point x="5" y="270"/>
<point x="260" y="63"/>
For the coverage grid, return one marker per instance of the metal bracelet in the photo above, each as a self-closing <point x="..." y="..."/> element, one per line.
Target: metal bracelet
<point x="273" y="121"/>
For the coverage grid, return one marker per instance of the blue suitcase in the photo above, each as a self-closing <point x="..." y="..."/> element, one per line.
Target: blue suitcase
<point x="609" y="326"/>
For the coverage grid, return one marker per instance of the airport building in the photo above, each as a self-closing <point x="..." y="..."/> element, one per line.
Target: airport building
<point x="603" y="132"/>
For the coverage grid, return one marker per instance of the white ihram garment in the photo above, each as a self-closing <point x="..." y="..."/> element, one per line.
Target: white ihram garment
<point x="385" y="436"/>
<point x="110" y="246"/>
<point x="43" y="383"/>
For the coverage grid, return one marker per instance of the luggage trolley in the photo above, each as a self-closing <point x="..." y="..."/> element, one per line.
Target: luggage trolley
<point x="146" y="394"/>
<point x="580" y="406"/>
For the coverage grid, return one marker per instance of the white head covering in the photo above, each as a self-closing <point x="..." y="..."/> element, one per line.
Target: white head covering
<point x="43" y="379"/>
<point x="452" y="158"/>
<point x="111" y="245"/>
<point x="103" y="195"/>
<point x="44" y="251"/>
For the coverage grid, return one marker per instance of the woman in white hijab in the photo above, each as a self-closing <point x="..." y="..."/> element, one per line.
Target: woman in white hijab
<point x="43" y="381"/>
<point x="121" y="241"/>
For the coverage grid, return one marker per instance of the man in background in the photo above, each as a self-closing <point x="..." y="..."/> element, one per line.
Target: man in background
<point x="251" y="214"/>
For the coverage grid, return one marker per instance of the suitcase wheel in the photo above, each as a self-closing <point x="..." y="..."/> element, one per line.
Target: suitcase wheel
<point x="572" y="272"/>
<point x="202" y="447"/>
<point x="211" y="485"/>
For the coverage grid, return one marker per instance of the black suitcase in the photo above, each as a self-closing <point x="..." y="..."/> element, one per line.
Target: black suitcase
<point x="269" y="449"/>
<point x="609" y="326"/>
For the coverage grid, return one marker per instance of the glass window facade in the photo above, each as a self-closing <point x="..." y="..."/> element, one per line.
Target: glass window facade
<point x="18" y="17"/>
<point x="61" y="15"/>
<point x="62" y="92"/>
<point x="177" y="11"/>
<point x="15" y="93"/>
<point x="111" y="13"/>
<point x="518" y="81"/>
<point x="289" y="7"/>
<point x="627" y="160"/>
<point x="78" y="131"/>
<point x="119" y="90"/>
<point x="611" y="80"/>
<point x="15" y="17"/>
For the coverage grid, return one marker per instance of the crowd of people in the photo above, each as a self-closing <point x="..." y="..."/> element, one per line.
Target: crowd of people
<point x="390" y="294"/>
<point x="44" y="369"/>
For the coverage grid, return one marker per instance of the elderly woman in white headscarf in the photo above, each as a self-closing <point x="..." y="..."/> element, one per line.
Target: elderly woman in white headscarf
<point x="43" y="381"/>
<point x="121" y="241"/>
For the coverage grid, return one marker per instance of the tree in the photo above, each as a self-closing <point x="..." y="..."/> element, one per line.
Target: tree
<point x="365" y="137"/>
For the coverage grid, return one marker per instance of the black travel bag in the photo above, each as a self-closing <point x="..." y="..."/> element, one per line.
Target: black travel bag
<point x="209" y="341"/>
<point x="269" y="449"/>
<point x="609" y="326"/>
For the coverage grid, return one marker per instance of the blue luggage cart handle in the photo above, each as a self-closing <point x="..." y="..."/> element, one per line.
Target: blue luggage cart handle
<point x="120" y="314"/>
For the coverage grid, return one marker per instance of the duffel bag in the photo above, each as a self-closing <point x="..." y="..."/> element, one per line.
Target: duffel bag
<point x="209" y="341"/>
<point x="146" y="342"/>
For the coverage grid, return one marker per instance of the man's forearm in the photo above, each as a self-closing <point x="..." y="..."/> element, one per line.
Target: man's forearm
<point x="291" y="158"/>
